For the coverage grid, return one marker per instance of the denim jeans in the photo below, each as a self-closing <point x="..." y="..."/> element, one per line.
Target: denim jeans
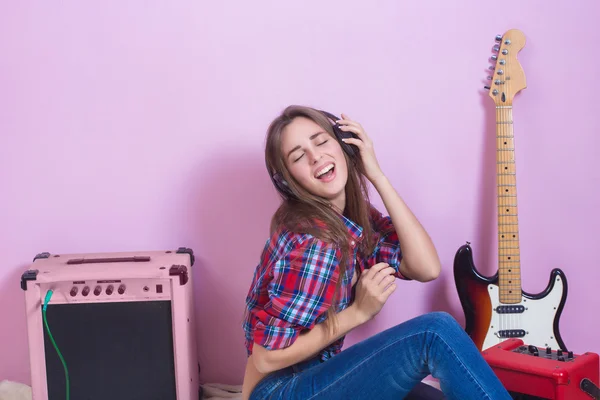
<point x="390" y="364"/>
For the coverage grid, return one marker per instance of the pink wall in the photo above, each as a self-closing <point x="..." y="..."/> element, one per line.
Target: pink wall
<point x="140" y="125"/>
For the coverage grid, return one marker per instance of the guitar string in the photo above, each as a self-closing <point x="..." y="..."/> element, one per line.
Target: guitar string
<point x="514" y="215"/>
<point x="500" y="137"/>
<point x="506" y="219"/>
<point x="512" y="321"/>
<point x="500" y="226"/>
<point x="500" y="158"/>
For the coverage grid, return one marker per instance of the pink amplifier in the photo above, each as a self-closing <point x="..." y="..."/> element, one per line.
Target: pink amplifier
<point x="112" y="326"/>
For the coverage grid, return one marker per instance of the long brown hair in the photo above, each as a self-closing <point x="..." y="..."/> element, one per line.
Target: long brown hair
<point x="300" y="214"/>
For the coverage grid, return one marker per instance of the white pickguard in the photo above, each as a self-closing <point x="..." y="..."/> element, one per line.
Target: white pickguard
<point x="537" y="320"/>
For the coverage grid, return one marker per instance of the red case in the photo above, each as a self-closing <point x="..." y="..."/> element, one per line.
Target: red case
<point x="123" y="322"/>
<point x="542" y="375"/>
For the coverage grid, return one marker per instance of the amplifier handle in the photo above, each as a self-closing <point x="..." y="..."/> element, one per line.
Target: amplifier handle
<point x="108" y="260"/>
<point x="590" y="388"/>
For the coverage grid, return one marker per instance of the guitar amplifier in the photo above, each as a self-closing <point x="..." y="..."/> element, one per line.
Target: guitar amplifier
<point x="116" y="326"/>
<point x="529" y="372"/>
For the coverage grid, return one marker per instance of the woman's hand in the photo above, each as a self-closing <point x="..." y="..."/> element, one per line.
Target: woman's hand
<point x="365" y="146"/>
<point x="374" y="287"/>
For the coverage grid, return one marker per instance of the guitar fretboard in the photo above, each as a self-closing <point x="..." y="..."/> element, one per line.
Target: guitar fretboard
<point x="509" y="255"/>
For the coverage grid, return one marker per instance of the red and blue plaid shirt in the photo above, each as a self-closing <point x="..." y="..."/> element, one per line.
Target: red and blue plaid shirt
<point x="294" y="283"/>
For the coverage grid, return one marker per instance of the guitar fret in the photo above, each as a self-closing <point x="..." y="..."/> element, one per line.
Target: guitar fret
<point x="504" y="122"/>
<point x="507" y="184"/>
<point x="505" y="136"/>
<point x="509" y="149"/>
<point x="503" y="106"/>
<point x="507" y="195"/>
<point x="507" y="173"/>
<point x="507" y="215"/>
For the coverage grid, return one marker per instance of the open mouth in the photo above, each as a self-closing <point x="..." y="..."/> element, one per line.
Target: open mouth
<point x="326" y="173"/>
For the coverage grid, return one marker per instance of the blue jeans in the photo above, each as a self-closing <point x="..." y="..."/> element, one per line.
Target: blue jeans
<point x="390" y="364"/>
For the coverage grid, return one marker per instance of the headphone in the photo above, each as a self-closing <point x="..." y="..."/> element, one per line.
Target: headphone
<point x="351" y="150"/>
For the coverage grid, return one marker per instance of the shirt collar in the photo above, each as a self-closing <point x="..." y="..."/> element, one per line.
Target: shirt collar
<point x="355" y="230"/>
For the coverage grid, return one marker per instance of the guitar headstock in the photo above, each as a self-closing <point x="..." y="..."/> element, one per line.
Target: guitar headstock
<point x="508" y="78"/>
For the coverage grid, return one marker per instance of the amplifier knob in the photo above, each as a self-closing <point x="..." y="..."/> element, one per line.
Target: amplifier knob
<point x="548" y="350"/>
<point x="532" y="348"/>
<point x="559" y="352"/>
<point x="98" y="290"/>
<point x="121" y="289"/>
<point x="74" y="291"/>
<point x="109" y="290"/>
<point x="85" y="291"/>
<point x="570" y="354"/>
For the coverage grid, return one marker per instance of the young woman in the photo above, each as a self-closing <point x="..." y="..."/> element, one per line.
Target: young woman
<point x="330" y="264"/>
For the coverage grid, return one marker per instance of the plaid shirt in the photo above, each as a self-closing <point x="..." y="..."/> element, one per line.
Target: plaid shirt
<point x="295" y="281"/>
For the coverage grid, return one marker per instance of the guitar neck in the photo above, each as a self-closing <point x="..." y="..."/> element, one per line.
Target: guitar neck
<point x="509" y="255"/>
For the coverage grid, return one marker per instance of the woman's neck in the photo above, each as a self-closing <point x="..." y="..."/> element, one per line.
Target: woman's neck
<point x="339" y="203"/>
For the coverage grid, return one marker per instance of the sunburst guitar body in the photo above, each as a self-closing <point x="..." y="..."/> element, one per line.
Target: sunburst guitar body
<point x="495" y="307"/>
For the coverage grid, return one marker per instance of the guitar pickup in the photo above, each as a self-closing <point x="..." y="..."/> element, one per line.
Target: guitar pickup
<point x="511" y="333"/>
<point x="510" y="309"/>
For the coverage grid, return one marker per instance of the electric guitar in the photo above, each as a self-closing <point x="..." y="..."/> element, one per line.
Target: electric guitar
<point x="495" y="307"/>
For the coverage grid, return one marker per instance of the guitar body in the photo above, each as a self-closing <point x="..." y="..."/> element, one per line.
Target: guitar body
<point x="535" y="319"/>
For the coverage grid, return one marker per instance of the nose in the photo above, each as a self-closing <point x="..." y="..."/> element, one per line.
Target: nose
<point x="313" y="155"/>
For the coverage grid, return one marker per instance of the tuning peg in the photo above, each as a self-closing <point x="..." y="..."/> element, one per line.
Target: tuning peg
<point x="491" y="67"/>
<point x="494" y="57"/>
<point x="489" y="78"/>
<point x="496" y="48"/>
<point x="498" y="38"/>
<point x="486" y="87"/>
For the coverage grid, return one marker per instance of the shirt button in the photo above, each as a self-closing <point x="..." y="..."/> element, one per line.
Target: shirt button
<point x="353" y="243"/>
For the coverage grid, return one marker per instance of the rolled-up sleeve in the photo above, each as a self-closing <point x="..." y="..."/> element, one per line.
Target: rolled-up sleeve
<point x="387" y="248"/>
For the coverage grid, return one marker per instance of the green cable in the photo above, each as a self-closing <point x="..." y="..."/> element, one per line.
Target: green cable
<point x="46" y="301"/>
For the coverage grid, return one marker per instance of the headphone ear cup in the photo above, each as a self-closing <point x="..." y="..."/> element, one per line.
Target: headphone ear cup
<point x="350" y="149"/>
<point x="281" y="185"/>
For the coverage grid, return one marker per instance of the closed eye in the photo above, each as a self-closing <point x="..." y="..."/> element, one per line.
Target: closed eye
<point x="299" y="157"/>
<point x="323" y="142"/>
